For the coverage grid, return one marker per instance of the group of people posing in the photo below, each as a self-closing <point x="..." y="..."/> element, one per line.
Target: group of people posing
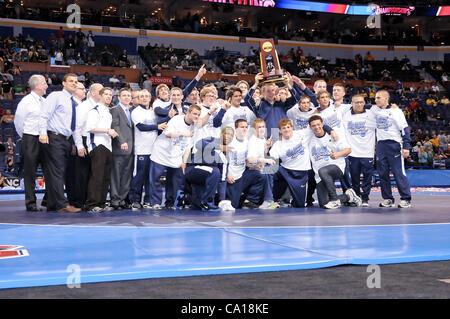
<point x="259" y="147"/>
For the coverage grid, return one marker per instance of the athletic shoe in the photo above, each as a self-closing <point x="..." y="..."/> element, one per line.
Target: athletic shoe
<point x="353" y="198"/>
<point x="404" y="204"/>
<point x="157" y="207"/>
<point x="225" y="205"/>
<point x="333" y="204"/>
<point x="95" y="209"/>
<point x="136" y="206"/>
<point x="387" y="203"/>
<point x="108" y="208"/>
<point x="365" y="203"/>
<point x="269" y="204"/>
<point x="179" y="200"/>
<point x="283" y="203"/>
<point x="249" y="204"/>
<point x="147" y="206"/>
<point x="208" y="207"/>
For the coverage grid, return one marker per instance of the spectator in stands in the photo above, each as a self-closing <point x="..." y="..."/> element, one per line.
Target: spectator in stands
<point x="18" y="89"/>
<point x="431" y="101"/>
<point x="90" y="40"/>
<point x="369" y="57"/>
<point x="79" y="37"/>
<point x="114" y="80"/>
<point x="444" y="77"/>
<point x="88" y="80"/>
<point x="443" y="141"/>
<point x="107" y="57"/>
<point x="444" y="100"/>
<point x="33" y="55"/>
<point x="435" y="141"/>
<point x="59" y="57"/>
<point x="123" y="60"/>
<point x="9" y="161"/>
<point x="430" y="155"/>
<point x="10" y="144"/>
<point x="422" y="156"/>
<point x="3" y="182"/>
<point x="8" y="117"/>
<point x="115" y="91"/>
<point x="6" y="88"/>
<point x="386" y="75"/>
<point x="60" y="38"/>
<point x="147" y="84"/>
<point x="55" y="80"/>
<point x="16" y="70"/>
<point x="439" y="160"/>
<point x="47" y="78"/>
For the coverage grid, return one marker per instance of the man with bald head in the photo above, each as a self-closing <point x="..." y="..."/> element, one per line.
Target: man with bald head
<point x="134" y="100"/>
<point x="26" y="122"/>
<point x="82" y="165"/>
<point x="393" y="145"/>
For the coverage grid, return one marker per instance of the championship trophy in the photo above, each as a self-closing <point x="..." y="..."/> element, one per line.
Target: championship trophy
<point x="270" y="65"/>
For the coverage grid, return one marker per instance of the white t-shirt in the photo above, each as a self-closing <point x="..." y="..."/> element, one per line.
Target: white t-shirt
<point x="98" y="117"/>
<point x="256" y="147"/>
<point x="237" y="157"/>
<point x="333" y="118"/>
<point x="390" y="123"/>
<point x="299" y="118"/>
<point x="236" y="113"/>
<point x="293" y="152"/>
<point x="160" y="103"/>
<point x="208" y="130"/>
<point x="169" y="151"/>
<point x="144" y="140"/>
<point x="320" y="150"/>
<point x="360" y="133"/>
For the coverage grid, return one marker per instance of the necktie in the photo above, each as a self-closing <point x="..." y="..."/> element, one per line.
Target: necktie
<point x="74" y="114"/>
<point x="127" y="111"/>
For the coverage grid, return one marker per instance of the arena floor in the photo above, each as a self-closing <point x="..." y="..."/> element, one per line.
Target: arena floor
<point x="52" y="249"/>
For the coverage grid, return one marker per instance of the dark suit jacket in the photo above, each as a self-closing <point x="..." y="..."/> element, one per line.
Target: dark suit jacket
<point x="122" y="127"/>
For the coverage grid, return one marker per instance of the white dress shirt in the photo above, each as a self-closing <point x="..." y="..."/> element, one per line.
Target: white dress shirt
<point x="99" y="117"/>
<point x="26" y="119"/>
<point x="80" y="127"/>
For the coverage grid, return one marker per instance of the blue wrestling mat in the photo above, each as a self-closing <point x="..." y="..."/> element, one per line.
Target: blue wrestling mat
<point x="41" y="249"/>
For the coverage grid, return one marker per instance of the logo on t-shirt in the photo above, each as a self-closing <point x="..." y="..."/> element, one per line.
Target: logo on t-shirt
<point x="295" y="151"/>
<point x="383" y="123"/>
<point x="320" y="153"/>
<point x="357" y="128"/>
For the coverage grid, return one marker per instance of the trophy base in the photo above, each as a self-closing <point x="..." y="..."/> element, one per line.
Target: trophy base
<point x="273" y="79"/>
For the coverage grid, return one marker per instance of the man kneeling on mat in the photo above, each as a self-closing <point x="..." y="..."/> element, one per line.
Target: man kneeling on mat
<point x="206" y="171"/>
<point x="328" y="161"/>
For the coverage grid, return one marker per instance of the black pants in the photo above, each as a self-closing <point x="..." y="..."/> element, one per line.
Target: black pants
<point x="122" y="171"/>
<point x="32" y="157"/>
<point x="77" y="178"/>
<point x="56" y="155"/>
<point x="71" y="173"/>
<point x="326" y="190"/>
<point x="100" y="180"/>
